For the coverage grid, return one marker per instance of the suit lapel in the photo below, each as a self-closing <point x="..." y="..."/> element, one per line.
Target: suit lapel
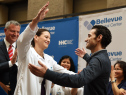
<point x="3" y="48"/>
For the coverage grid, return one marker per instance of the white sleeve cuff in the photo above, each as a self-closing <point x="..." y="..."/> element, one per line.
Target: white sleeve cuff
<point x="10" y="64"/>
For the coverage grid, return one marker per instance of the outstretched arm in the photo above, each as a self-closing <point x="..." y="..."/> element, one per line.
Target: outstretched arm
<point x="88" y="74"/>
<point x="24" y="40"/>
<point x="40" y="16"/>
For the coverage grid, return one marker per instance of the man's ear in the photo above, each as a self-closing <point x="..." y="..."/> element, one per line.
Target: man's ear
<point x="5" y="30"/>
<point x="99" y="38"/>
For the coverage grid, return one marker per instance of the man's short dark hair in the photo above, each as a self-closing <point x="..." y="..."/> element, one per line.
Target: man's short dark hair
<point x="105" y="32"/>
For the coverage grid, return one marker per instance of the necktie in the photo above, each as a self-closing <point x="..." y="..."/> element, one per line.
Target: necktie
<point x="43" y="92"/>
<point x="10" y="52"/>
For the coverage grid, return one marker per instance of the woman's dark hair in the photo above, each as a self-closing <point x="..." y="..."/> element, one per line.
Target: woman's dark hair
<point x="38" y="33"/>
<point x="122" y="65"/>
<point x="72" y="68"/>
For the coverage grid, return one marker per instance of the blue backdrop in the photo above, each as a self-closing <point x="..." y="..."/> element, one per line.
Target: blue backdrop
<point x="64" y="37"/>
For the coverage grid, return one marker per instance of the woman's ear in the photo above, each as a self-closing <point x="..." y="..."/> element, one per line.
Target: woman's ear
<point x="35" y="38"/>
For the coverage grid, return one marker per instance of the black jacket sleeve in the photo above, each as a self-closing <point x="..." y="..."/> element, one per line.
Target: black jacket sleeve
<point x="91" y="72"/>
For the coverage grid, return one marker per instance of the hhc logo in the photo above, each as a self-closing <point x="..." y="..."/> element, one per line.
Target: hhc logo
<point x="65" y="42"/>
<point x="89" y="25"/>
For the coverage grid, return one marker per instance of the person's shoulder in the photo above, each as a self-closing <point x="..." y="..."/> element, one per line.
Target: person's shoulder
<point x="124" y="81"/>
<point x="48" y="56"/>
<point x="102" y="55"/>
<point x="1" y="42"/>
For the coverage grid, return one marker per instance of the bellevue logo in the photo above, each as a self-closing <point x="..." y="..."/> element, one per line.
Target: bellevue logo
<point x="118" y="53"/>
<point x="89" y="25"/>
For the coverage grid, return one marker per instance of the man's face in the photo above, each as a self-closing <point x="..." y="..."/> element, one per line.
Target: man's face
<point x="12" y="33"/>
<point x="91" y="40"/>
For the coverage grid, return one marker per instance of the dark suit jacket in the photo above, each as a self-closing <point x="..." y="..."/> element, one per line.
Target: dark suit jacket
<point x="8" y="76"/>
<point x="94" y="78"/>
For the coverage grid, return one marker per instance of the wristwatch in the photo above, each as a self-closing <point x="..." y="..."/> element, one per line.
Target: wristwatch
<point x="113" y="81"/>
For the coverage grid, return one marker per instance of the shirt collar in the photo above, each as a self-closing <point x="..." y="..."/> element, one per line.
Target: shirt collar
<point x="7" y="43"/>
<point x="97" y="52"/>
<point x="39" y="57"/>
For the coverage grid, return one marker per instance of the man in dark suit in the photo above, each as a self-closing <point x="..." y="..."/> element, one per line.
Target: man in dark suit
<point x="8" y="68"/>
<point x="95" y="77"/>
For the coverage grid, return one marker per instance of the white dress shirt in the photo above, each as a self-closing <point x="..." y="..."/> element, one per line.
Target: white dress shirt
<point x="13" y="47"/>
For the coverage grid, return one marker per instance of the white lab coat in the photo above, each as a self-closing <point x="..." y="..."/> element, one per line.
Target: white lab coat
<point x="64" y="90"/>
<point x="27" y="83"/>
<point x="61" y="90"/>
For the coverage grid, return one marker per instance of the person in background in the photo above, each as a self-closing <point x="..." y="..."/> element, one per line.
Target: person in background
<point x="66" y="62"/>
<point x="27" y="83"/>
<point x="95" y="77"/>
<point x="118" y="85"/>
<point x="8" y="55"/>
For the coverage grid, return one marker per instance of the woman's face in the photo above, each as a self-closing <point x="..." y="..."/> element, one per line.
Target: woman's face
<point x="66" y="63"/>
<point x="118" y="71"/>
<point x="43" y="40"/>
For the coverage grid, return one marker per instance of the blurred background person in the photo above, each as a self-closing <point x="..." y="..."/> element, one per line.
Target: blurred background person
<point x="118" y="78"/>
<point x="66" y="62"/>
<point x="8" y="68"/>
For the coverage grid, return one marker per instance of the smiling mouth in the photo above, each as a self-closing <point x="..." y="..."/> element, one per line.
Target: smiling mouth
<point x="64" y="66"/>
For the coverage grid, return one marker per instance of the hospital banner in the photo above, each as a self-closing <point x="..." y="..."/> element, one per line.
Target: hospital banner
<point x="2" y="34"/>
<point x="115" y="21"/>
<point x="64" y="37"/>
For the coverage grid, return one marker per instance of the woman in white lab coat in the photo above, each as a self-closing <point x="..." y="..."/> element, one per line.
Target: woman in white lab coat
<point x="27" y="83"/>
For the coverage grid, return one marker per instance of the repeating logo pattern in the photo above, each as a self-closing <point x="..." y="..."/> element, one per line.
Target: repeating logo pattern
<point x="89" y="25"/>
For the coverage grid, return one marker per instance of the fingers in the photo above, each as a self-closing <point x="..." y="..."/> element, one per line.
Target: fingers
<point x="46" y="11"/>
<point x="78" y="50"/>
<point x="40" y="63"/>
<point x="14" y="58"/>
<point x="33" y="68"/>
<point x="37" y="70"/>
<point x="83" y="49"/>
<point x="44" y="8"/>
<point x="15" y="53"/>
<point x="112" y="67"/>
<point x="44" y="66"/>
<point x="79" y="71"/>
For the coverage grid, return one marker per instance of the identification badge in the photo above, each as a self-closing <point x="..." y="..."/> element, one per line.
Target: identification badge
<point x="58" y="93"/>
